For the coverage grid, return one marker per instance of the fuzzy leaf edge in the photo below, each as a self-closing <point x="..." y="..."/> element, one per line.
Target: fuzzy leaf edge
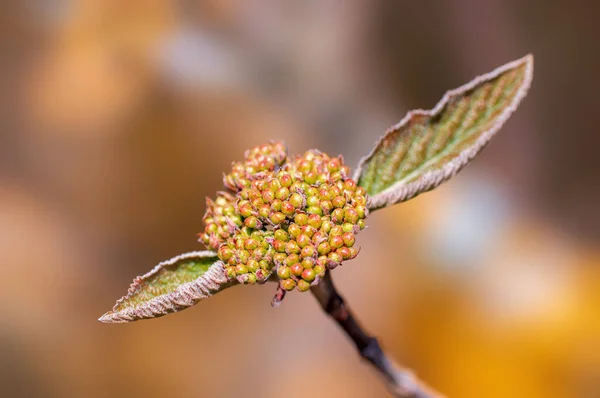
<point x="402" y="191"/>
<point x="212" y="281"/>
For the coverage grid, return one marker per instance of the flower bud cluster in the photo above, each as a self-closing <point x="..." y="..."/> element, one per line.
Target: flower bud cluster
<point x="221" y="220"/>
<point x="297" y="217"/>
<point x="258" y="160"/>
<point x="248" y="256"/>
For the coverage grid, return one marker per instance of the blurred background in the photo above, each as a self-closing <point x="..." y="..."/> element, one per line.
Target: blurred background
<point x="119" y="117"/>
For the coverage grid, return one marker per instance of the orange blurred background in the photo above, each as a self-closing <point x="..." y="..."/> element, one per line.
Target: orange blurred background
<point x="119" y="117"/>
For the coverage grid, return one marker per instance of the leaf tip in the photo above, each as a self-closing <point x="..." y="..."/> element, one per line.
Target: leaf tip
<point x="108" y="318"/>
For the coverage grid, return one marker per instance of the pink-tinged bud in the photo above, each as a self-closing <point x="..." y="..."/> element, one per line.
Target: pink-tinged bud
<point x="245" y="193"/>
<point x="297" y="269"/>
<point x="268" y="196"/>
<point x="283" y="272"/>
<point x="336" y="242"/>
<point x="287" y="208"/>
<point x="345" y="170"/>
<point x="325" y="193"/>
<point x="294" y="231"/>
<point x="334" y="259"/>
<point x="279" y="258"/>
<point x="257" y="202"/>
<point x="314" y="220"/>
<point x="279" y="246"/>
<point x="337" y="216"/>
<point x="308" y="262"/>
<point x="276" y="205"/>
<point x="225" y="253"/>
<point x="259" y="185"/>
<point x="251" y="222"/>
<point x="288" y="284"/>
<point x="259" y="253"/>
<point x="280" y="234"/>
<point x="360" y="191"/>
<point x="304" y="165"/>
<point x="353" y="252"/>
<point x="262" y="275"/>
<point x="350" y="185"/>
<point x="241" y="269"/>
<point x="292" y="259"/>
<point x="319" y="237"/>
<point x="277" y="217"/>
<point x="348" y="238"/>
<point x="264" y="211"/>
<point x="230" y="271"/>
<point x="348" y="227"/>
<point x="344" y="252"/>
<point x="351" y="215"/>
<point x="313" y="201"/>
<point x="303" y="286"/>
<point x="296" y="200"/>
<point x="308" y="230"/>
<point x="324" y="248"/>
<point x="282" y="193"/>
<point x="253" y="194"/>
<point x="286" y="180"/>
<point x="326" y="225"/>
<point x="239" y="243"/>
<point x="312" y="191"/>
<point x="292" y="247"/>
<point x="212" y="228"/>
<point x="326" y="206"/>
<point x="302" y="240"/>
<point x="250" y="244"/>
<point x="319" y="270"/>
<point x="314" y="210"/>
<point x="339" y="202"/>
<point x="337" y="230"/>
<point x="308" y="251"/>
<point x="243" y="256"/>
<point x="251" y="279"/>
<point x="359" y="200"/>
<point x="361" y="211"/>
<point x="301" y="219"/>
<point x="308" y="275"/>
<point x="334" y="165"/>
<point x="252" y="265"/>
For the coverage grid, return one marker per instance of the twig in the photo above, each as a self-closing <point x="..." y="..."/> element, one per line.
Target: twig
<point x="401" y="382"/>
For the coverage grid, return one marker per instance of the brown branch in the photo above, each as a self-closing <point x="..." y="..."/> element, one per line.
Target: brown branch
<point x="400" y="382"/>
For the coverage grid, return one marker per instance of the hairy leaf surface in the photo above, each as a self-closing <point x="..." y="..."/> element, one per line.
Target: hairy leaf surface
<point x="428" y="147"/>
<point x="171" y="286"/>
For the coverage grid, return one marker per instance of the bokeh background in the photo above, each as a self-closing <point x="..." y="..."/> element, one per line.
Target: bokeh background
<point x="118" y="117"/>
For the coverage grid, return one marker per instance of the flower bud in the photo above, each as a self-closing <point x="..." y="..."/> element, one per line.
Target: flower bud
<point x="294" y="231"/>
<point x="292" y="259"/>
<point x="288" y="284"/>
<point x="280" y="234"/>
<point x="336" y="242"/>
<point x="292" y="247"/>
<point x="303" y="286"/>
<point x="308" y="262"/>
<point x="348" y="238"/>
<point x="324" y="248"/>
<point x="308" y="275"/>
<point x="297" y="269"/>
<point x="283" y="272"/>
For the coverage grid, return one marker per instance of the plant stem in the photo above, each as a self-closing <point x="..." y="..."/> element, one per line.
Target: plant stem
<point x="400" y="382"/>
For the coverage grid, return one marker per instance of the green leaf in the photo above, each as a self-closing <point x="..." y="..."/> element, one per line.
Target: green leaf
<point x="428" y="147"/>
<point x="171" y="286"/>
